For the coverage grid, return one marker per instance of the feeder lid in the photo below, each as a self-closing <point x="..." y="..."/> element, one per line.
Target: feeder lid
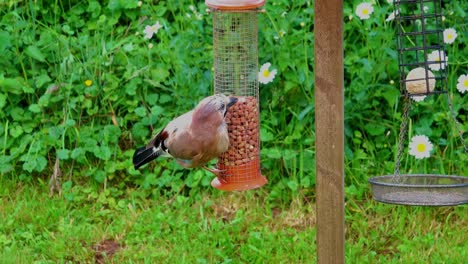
<point x="234" y="4"/>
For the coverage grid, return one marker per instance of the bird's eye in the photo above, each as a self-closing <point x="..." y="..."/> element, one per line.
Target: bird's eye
<point x="222" y="106"/>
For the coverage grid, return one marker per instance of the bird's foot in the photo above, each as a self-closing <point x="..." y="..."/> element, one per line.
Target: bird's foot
<point x="219" y="173"/>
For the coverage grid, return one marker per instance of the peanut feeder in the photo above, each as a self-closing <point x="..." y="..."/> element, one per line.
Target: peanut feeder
<point x="235" y="41"/>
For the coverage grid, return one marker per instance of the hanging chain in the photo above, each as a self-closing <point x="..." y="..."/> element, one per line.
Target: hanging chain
<point x="403" y="132"/>
<point x="457" y="124"/>
<point x="402" y="135"/>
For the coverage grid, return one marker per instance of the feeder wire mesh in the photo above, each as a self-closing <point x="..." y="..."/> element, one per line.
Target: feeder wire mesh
<point x="235" y="52"/>
<point x="422" y="65"/>
<point x="235" y="47"/>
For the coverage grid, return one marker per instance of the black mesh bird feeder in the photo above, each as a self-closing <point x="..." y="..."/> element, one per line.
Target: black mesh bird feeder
<point x="235" y="47"/>
<point x="422" y="62"/>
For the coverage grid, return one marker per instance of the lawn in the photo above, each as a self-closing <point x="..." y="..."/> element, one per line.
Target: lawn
<point x="141" y="226"/>
<point x="83" y="84"/>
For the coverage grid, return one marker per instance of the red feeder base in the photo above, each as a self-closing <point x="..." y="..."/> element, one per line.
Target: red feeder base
<point x="240" y="177"/>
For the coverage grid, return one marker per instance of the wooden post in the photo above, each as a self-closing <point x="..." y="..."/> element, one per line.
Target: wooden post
<point x="329" y="129"/>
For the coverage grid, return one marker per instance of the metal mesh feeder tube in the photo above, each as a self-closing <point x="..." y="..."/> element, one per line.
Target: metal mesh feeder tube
<point x="235" y="54"/>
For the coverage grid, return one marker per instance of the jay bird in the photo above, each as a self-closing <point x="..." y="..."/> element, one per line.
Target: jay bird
<point x="193" y="138"/>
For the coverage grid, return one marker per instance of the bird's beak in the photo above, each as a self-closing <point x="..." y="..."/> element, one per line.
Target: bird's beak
<point x="232" y="101"/>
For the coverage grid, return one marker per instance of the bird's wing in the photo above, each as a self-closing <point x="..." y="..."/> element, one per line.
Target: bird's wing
<point x="182" y="122"/>
<point x="182" y="145"/>
<point x="178" y="124"/>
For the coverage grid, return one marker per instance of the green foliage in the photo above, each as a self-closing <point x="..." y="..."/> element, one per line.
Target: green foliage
<point x="81" y="83"/>
<point x="51" y="48"/>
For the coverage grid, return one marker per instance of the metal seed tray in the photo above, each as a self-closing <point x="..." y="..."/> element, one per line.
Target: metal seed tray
<point x="420" y="189"/>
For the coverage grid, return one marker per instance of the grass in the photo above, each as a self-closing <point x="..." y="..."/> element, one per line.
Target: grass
<point x="213" y="227"/>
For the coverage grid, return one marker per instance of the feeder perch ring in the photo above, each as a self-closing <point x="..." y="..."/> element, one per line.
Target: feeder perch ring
<point x="420" y="189"/>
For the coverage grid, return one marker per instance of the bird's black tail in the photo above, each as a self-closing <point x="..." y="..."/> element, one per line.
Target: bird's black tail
<point x="144" y="155"/>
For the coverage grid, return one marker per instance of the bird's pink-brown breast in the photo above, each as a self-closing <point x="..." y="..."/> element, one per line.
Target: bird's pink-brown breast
<point x="203" y="139"/>
<point x="199" y="146"/>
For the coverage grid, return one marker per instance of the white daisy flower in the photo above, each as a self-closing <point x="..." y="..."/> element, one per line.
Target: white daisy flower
<point x="265" y="75"/>
<point x="462" y="85"/>
<point x="392" y="16"/>
<point x="450" y="35"/>
<point x="437" y="60"/>
<point x="420" y="147"/>
<point x="364" y="10"/>
<point x="281" y="33"/>
<point x="151" y="30"/>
